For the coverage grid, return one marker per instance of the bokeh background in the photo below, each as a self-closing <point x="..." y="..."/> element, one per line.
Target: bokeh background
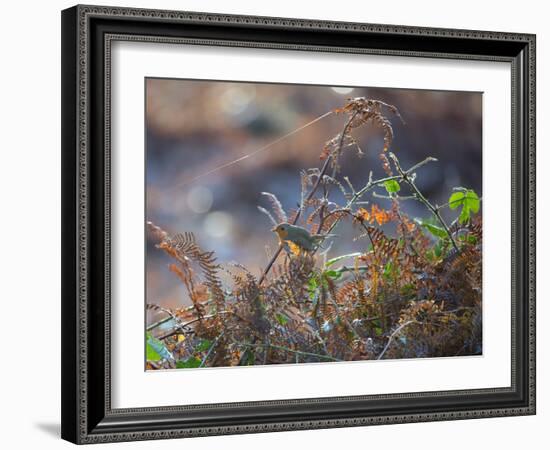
<point x="194" y="126"/>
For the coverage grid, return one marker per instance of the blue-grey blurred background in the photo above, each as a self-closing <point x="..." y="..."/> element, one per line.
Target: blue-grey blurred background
<point x="195" y="126"/>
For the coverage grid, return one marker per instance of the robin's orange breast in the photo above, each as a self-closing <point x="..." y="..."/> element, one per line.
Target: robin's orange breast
<point x="283" y="234"/>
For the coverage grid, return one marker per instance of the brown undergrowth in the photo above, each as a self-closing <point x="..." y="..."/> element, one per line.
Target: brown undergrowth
<point x="413" y="288"/>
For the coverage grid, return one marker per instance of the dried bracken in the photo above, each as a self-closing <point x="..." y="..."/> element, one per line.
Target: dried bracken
<point x="361" y="111"/>
<point x="412" y="289"/>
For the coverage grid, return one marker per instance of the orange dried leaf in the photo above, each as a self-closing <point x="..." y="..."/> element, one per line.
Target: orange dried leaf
<point x="376" y="214"/>
<point x="410" y="226"/>
<point x="381" y="216"/>
<point x="181" y="275"/>
<point x="164" y="245"/>
<point x="362" y="215"/>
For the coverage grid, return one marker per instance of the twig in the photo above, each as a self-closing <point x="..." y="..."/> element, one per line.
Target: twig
<point x="290" y="350"/>
<point x="159" y="323"/>
<point x="171" y="316"/>
<point x="346" y="179"/>
<point x="167" y="319"/>
<point x="393" y="335"/>
<point x="203" y="362"/>
<point x="343" y="318"/>
<point x="370" y="238"/>
<point x="373" y="183"/>
<point x="352" y="269"/>
<point x="321" y="341"/>
<point x="403" y="224"/>
<point x="406" y="178"/>
<point x="396" y="197"/>
<point x="186" y="324"/>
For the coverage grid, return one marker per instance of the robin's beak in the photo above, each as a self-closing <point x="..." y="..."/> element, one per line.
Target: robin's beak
<point x="274" y="229"/>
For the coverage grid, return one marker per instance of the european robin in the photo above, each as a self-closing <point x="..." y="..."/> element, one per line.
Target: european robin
<point x="299" y="236"/>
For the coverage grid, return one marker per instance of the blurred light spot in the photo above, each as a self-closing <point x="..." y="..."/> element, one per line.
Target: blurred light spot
<point x="342" y="90"/>
<point x="235" y="100"/>
<point x="200" y="199"/>
<point x="218" y="224"/>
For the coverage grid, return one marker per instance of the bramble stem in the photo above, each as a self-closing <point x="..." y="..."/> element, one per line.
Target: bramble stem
<point x="373" y="183"/>
<point x="406" y="178"/>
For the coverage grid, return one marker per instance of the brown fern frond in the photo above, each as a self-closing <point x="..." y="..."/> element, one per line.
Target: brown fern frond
<point x="361" y="111"/>
<point x="334" y="216"/>
<point x="389" y="248"/>
<point x="377" y="236"/>
<point x="406" y="297"/>
<point x="187" y="249"/>
<point x="156" y="231"/>
<point x="368" y="110"/>
<point x="476" y="228"/>
<point x="386" y="164"/>
<point x="305" y="183"/>
<point x="278" y="210"/>
<point x="268" y="214"/>
<point x="311" y="218"/>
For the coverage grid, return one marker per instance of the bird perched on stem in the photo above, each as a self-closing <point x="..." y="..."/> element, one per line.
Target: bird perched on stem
<point x="299" y="236"/>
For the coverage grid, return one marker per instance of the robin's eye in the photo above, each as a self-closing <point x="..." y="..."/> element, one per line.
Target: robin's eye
<point x="282" y="228"/>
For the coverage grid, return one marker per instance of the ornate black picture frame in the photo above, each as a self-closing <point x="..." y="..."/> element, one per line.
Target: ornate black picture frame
<point x="87" y="34"/>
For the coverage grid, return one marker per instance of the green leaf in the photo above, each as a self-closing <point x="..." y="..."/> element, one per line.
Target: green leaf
<point x="464" y="215"/>
<point x="471" y="200"/>
<point x="392" y="186"/>
<point x="156" y="350"/>
<point x="436" y="230"/>
<point x="438" y="250"/>
<point x="388" y="269"/>
<point x="203" y="345"/>
<point x="190" y="363"/>
<point x="282" y="319"/>
<point x="152" y="355"/>
<point x="334" y="274"/>
<point x="332" y="261"/>
<point x="456" y="199"/>
<point x="468" y="199"/>
<point x="248" y="358"/>
<point x="472" y="239"/>
<point x="312" y="287"/>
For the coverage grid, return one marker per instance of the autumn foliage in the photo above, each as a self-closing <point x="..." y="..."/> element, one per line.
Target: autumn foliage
<point x="412" y="289"/>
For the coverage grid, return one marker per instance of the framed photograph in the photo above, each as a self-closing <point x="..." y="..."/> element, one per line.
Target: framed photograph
<point x="280" y="224"/>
